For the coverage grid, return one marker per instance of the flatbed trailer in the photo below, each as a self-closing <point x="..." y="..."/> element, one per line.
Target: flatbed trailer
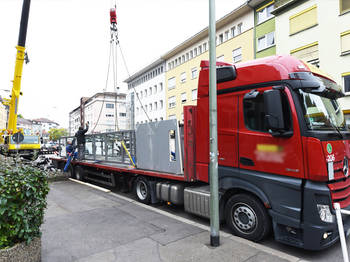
<point x="283" y="154"/>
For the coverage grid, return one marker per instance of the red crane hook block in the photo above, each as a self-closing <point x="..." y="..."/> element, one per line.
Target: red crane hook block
<point x="113" y="15"/>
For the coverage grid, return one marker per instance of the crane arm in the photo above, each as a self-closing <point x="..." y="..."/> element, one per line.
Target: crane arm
<point x="20" y="57"/>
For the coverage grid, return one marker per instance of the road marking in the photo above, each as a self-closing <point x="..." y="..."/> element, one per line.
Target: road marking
<point x="90" y="185"/>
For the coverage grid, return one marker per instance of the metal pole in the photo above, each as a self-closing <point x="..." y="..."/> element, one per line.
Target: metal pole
<point x="213" y="140"/>
<point x="341" y="232"/>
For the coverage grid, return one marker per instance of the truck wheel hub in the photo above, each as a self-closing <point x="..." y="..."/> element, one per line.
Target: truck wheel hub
<point x="244" y="218"/>
<point x="142" y="190"/>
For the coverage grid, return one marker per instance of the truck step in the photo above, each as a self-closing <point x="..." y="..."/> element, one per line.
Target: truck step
<point x="100" y="181"/>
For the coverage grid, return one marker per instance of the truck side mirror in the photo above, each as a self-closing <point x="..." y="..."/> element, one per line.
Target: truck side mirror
<point x="225" y="74"/>
<point x="274" y="110"/>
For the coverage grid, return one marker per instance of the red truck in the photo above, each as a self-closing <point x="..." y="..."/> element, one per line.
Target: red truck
<point x="283" y="154"/>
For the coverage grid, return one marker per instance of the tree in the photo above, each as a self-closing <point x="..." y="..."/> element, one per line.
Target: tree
<point x="57" y="133"/>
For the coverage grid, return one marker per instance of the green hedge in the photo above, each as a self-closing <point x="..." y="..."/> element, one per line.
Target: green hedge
<point x="23" y="191"/>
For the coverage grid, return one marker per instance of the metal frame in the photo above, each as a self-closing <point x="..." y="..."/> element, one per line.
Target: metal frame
<point x="106" y="147"/>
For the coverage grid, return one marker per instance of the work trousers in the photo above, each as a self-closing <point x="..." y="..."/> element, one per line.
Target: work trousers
<point x="81" y="151"/>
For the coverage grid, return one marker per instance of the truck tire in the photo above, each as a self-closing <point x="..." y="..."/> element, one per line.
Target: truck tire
<point x="247" y="217"/>
<point x="143" y="190"/>
<point x="71" y="171"/>
<point x="79" y="173"/>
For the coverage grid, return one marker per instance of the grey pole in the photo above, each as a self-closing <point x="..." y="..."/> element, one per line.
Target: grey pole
<point x="213" y="140"/>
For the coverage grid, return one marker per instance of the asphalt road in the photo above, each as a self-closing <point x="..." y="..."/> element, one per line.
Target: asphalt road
<point x="332" y="254"/>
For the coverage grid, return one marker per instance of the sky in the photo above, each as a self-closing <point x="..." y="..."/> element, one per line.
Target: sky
<point x="68" y="46"/>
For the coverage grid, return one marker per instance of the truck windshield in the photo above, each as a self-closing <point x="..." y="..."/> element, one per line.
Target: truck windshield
<point x="321" y="113"/>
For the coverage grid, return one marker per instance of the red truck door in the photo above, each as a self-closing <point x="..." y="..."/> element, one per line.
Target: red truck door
<point x="258" y="149"/>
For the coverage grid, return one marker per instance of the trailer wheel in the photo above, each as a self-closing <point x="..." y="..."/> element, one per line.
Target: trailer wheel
<point x="143" y="190"/>
<point x="79" y="173"/>
<point x="247" y="217"/>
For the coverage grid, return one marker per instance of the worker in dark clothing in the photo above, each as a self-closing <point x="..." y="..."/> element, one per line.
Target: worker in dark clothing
<point x="80" y="137"/>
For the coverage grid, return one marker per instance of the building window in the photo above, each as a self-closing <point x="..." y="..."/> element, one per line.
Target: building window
<point x="145" y="92"/>
<point x="172" y="101"/>
<point x="109" y="115"/>
<point x="122" y="114"/>
<point x="141" y="94"/>
<point x="191" y="54"/>
<point x="204" y="47"/>
<point x="150" y="91"/>
<point x="266" y="41"/>
<point x="187" y="56"/>
<point x="172" y="116"/>
<point x="220" y="58"/>
<point x="237" y="55"/>
<point x="239" y="28"/>
<point x="160" y="87"/>
<point x="171" y="83"/>
<point x="200" y="49"/>
<point x="194" y="94"/>
<point x="179" y="60"/>
<point x="183" y="59"/>
<point x="308" y="53"/>
<point x="264" y="13"/>
<point x="194" y="73"/>
<point x="146" y="108"/>
<point x="109" y="105"/>
<point x="345" y="42"/>
<point x="344" y="6"/>
<point x="221" y="39"/>
<point x="155" y="106"/>
<point x="346" y="77"/>
<point x="155" y="89"/>
<point x="233" y="31"/>
<point x="303" y="20"/>
<point x="183" y="97"/>
<point x="195" y="52"/>
<point x="183" y="77"/>
<point x="226" y="35"/>
<point x="176" y="62"/>
<point x="161" y="104"/>
<point x="150" y="107"/>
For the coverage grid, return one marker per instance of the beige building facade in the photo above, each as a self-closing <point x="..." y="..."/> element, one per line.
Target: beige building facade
<point x="317" y="31"/>
<point x="234" y="44"/>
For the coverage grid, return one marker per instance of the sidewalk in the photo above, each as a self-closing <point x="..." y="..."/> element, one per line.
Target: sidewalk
<point x="87" y="225"/>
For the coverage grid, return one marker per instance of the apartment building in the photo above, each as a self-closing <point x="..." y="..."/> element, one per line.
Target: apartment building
<point x="318" y="32"/>
<point x="146" y="94"/>
<point x="234" y="34"/>
<point x="264" y="28"/>
<point x="106" y="112"/>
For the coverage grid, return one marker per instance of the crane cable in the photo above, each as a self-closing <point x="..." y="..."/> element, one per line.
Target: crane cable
<point x="104" y="90"/>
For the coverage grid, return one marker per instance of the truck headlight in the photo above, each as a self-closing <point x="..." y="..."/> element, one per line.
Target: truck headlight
<point x="325" y="213"/>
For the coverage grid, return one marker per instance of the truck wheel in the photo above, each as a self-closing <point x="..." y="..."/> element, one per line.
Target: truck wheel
<point x="143" y="190"/>
<point x="79" y="173"/>
<point x="71" y="171"/>
<point x="247" y="217"/>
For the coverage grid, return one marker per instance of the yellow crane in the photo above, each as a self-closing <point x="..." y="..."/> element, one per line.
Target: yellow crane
<point x="12" y="139"/>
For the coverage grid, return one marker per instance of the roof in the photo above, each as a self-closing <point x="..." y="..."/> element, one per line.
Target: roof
<point x="193" y="39"/>
<point x="23" y="121"/>
<point x="204" y="33"/>
<point x="104" y="94"/>
<point x="44" y="120"/>
<point x="145" y="69"/>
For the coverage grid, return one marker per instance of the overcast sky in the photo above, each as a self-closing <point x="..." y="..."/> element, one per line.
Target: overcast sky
<point x="68" y="45"/>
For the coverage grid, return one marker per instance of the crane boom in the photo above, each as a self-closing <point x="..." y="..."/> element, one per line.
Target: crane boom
<point x="20" y="57"/>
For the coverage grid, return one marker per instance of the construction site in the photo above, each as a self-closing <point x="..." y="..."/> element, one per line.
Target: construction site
<point x="232" y="146"/>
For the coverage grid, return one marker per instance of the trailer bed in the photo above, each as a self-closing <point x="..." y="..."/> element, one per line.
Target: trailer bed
<point x="122" y="168"/>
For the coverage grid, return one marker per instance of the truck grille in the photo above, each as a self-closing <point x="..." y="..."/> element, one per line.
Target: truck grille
<point x="340" y="191"/>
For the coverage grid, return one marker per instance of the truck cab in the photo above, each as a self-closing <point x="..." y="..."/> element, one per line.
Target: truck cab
<point x="282" y="141"/>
